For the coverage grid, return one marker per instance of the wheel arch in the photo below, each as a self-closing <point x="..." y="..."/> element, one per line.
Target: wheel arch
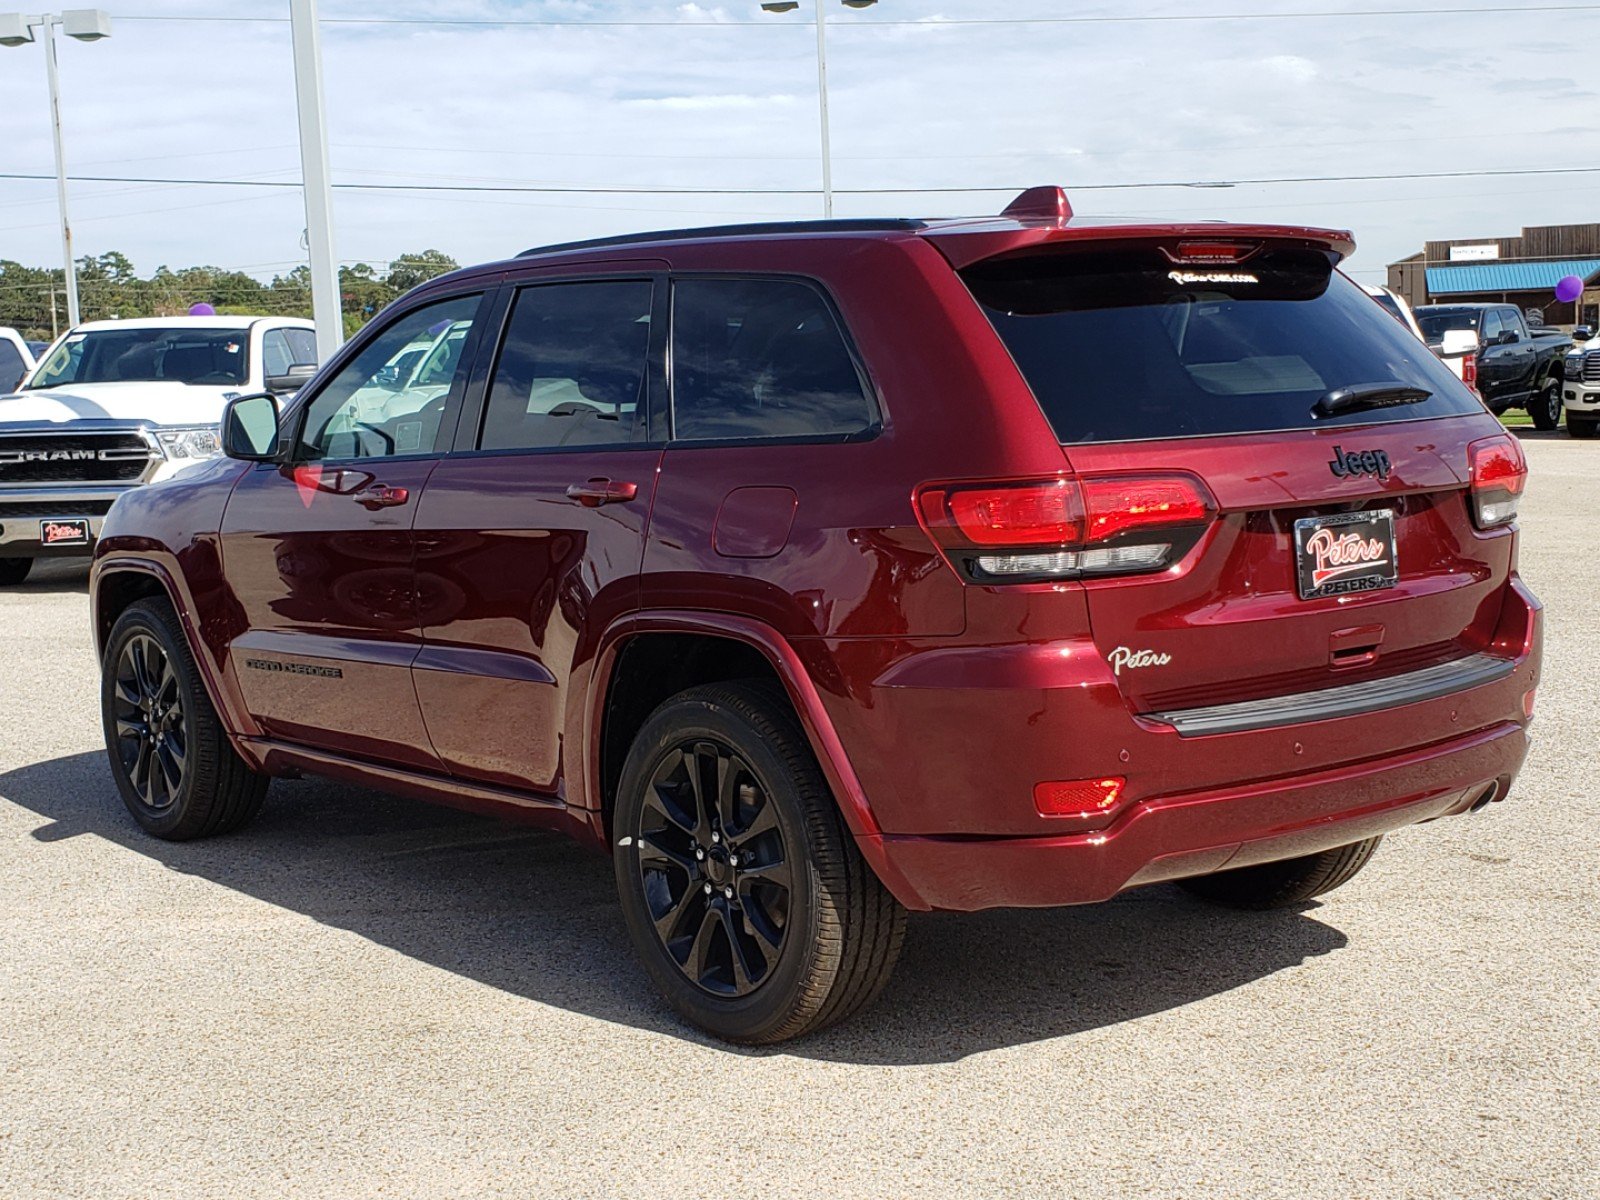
<point x="119" y="582"/>
<point x="711" y="647"/>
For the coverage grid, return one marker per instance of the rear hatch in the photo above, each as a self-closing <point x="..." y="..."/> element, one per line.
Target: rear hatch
<point x="1330" y="446"/>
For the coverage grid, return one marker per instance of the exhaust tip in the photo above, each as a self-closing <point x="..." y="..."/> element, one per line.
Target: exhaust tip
<point x="1485" y="798"/>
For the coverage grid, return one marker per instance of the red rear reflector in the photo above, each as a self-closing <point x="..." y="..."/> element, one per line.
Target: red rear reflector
<point x="1077" y="797"/>
<point x="1527" y="704"/>
<point x="1469" y="371"/>
<point x="1499" y="473"/>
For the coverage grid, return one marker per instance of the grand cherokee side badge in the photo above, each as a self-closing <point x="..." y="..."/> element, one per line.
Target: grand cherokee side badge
<point x="1359" y="462"/>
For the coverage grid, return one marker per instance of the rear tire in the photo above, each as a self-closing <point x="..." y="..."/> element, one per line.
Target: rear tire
<point x="1545" y="408"/>
<point x="176" y="770"/>
<point x="14" y="570"/>
<point x="1580" y="428"/>
<point x="1283" y="884"/>
<point x="751" y="908"/>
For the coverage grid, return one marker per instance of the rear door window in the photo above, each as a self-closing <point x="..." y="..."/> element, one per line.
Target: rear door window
<point x="1121" y="344"/>
<point x="1491" y="327"/>
<point x="761" y="358"/>
<point x="573" y="369"/>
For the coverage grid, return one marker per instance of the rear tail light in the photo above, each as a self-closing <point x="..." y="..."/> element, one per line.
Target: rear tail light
<point x="1077" y="797"/>
<point x="1469" y="371"/>
<point x="1499" y="473"/>
<point x="1064" y="528"/>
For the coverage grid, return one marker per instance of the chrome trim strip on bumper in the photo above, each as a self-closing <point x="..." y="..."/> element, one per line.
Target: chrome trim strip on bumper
<point x="1346" y="700"/>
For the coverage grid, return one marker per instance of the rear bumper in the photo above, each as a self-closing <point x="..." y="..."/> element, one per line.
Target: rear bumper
<point x="960" y="736"/>
<point x="1176" y="836"/>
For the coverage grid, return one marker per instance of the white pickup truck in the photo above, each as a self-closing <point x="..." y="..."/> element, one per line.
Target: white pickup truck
<point x="114" y="405"/>
<point x="1580" y="388"/>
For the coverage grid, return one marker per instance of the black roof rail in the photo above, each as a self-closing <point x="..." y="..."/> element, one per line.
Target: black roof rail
<point x="846" y="225"/>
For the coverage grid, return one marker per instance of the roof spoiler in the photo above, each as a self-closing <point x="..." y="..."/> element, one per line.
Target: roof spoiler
<point x="1049" y="203"/>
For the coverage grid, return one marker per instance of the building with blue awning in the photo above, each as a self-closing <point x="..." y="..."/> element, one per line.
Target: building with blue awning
<point x="1522" y="270"/>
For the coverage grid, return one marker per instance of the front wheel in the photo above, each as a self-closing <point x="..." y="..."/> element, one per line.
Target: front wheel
<point x="14" y="570"/>
<point x="1545" y="408"/>
<point x="172" y="761"/>
<point x="742" y="889"/>
<point x="1283" y="884"/>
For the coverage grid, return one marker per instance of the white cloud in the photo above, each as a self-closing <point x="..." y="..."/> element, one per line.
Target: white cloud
<point x="731" y="104"/>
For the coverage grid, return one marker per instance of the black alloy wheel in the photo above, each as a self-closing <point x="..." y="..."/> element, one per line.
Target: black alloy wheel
<point x="743" y="892"/>
<point x="152" y="739"/>
<point x="169" y="753"/>
<point x="714" y="869"/>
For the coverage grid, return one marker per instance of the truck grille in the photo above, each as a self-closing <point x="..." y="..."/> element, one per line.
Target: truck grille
<point x="73" y="458"/>
<point x="1591" y="367"/>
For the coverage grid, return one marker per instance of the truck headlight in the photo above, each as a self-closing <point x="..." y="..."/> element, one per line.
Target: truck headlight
<point x="1575" y="366"/>
<point x="189" y="444"/>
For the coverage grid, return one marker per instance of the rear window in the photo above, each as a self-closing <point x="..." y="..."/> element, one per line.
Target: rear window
<point x="1121" y="344"/>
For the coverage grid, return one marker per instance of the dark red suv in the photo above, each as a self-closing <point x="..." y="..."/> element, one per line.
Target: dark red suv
<point x="819" y="572"/>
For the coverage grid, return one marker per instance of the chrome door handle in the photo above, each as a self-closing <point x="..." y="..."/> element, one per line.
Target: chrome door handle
<point x="381" y="495"/>
<point x="603" y="491"/>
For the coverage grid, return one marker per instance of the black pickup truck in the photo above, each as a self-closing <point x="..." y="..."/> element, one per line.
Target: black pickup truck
<point x="1518" y="366"/>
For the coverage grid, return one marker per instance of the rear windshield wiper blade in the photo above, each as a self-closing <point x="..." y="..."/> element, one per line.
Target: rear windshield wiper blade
<point x="1368" y="395"/>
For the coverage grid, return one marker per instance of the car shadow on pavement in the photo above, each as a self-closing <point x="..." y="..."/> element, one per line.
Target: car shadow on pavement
<point x="51" y="577"/>
<point x="533" y="914"/>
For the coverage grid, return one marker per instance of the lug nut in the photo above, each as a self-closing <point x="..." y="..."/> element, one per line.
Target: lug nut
<point x="708" y="889"/>
<point x="699" y="854"/>
<point x="715" y="836"/>
<point x="733" y="860"/>
<point x="727" y="893"/>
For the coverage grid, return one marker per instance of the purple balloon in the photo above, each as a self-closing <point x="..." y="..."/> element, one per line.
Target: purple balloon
<point x="202" y="310"/>
<point x="1568" y="288"/>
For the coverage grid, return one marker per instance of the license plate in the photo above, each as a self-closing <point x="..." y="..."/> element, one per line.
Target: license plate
<point x="64" y="533"/>
<point x="1351" y="552"/>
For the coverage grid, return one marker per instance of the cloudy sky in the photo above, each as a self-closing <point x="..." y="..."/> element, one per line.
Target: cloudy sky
<point x="721" y="96"/>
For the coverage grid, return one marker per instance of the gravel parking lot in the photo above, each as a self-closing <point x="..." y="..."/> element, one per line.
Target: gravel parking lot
<point x="366" y="996"/>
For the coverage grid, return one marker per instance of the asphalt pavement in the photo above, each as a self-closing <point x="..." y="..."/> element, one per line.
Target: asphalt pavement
<point x="365" y="996"/>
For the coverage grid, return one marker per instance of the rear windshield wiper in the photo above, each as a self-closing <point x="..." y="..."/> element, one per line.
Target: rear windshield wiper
<point x="1368" y="395"/>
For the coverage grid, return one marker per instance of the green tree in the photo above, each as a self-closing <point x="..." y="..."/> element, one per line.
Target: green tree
<point x="407" y="271"/>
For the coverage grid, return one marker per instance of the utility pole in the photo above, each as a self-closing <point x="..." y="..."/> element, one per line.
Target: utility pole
<point x="325" y="306"/>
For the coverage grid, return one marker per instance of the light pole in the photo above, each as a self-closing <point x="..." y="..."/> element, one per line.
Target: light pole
<point x="86" y="25"/>
<point x="787" y="6"/>
<point x="325" y="306"/>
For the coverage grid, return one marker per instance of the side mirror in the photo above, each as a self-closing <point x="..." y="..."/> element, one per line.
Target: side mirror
<point x="1457" y="342"/>
<point x="1583" y="333"/>
<point x="250" y="428"/>
<point x="293" y="379"/>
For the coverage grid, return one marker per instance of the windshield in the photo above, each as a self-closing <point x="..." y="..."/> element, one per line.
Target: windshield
<point x="1436" y="324"/>
<point x="193" y="356"/>
<point x="1118" y="344"/>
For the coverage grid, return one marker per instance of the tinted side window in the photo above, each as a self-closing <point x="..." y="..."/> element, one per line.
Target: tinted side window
<point x="572" y="370"/>
<point x="1491" y="327"/>
<point x="390" y="398"/>
<point x="760" y="358"/>
<point x="11" y="366"/>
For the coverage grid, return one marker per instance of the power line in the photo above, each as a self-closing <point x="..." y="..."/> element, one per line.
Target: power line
<point x="936" y="23"/>
<point x="633" y="190"/>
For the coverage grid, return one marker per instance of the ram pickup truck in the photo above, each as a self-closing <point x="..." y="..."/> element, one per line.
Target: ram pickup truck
<point x="1581" y="393"/>
<point x="113" y="405"/>
<point x="1518" y="366"/>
